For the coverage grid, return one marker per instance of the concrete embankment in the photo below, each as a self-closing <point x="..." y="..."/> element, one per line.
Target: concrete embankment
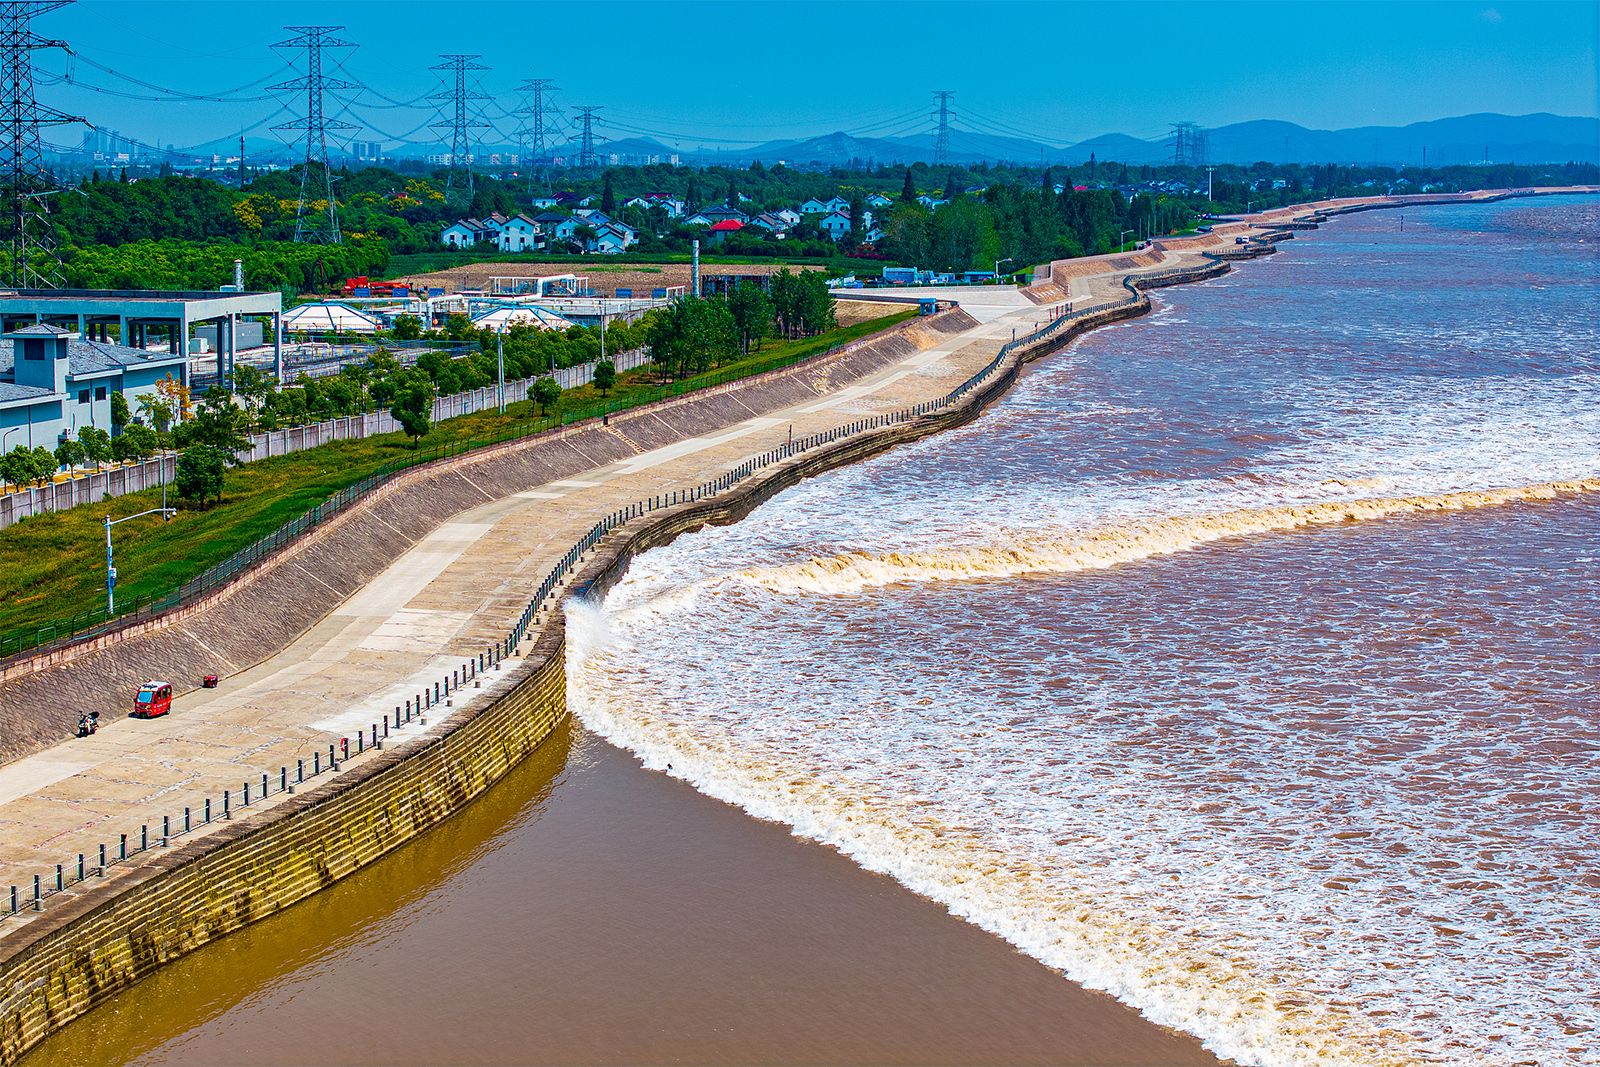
<point x="163" y="903"/>
<point x="261" y="612"/>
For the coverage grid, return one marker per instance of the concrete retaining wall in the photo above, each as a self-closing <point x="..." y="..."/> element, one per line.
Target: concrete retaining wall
<point x="169" y="902"/>
<point x="91" y="488"/>
<point x="266" y="608"/>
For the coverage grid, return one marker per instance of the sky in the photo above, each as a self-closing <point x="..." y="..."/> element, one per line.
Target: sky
<point x="704" y="74"/>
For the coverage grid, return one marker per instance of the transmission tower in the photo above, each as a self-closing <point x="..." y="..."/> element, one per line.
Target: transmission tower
<point x="941" y="134"/>
<point x="1188" y="145"/>
<point x="314" y="225"/>
<point x="536" y="129"/>
<point x="586" y="156"/>
<point x="24" y="182"/>
<point x="458" y="179"/>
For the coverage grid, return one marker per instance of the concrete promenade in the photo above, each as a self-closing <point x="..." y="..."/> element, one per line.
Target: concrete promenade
<point x="429" y="613"/>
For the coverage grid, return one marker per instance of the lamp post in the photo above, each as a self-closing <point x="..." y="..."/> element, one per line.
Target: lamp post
<point x="1120" y="236"/>
<point x="997" y="263"/>
<point x="3" y="436"/>
<point x="111" y="570"/>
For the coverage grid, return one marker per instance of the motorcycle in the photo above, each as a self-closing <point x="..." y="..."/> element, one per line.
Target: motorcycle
<point x="88" y="724"/>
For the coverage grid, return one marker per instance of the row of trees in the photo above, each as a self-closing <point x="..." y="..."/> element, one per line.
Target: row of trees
<point x="695" y="335"/>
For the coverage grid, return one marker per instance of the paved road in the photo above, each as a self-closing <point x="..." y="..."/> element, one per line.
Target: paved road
<point x="449" y="597"/>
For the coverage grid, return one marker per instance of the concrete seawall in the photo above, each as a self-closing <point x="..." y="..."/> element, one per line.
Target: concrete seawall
<point x="165" y="903"/>
<point x="268" y="607"/>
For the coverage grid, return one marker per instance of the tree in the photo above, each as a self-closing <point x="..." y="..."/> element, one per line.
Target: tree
<point x="752" y="314"/>
<point x="18" y="467"/>
<point x="605" y="376"/>
<point x="407" y="328"/>
<point x="413" y="404"/>
<point x="96" y="444"/>
<point x="199" y="473"/>
<point x="608" y="198"/>
<point x="68" y="454"/>
<point x="119" y="411"/>
<point x="545" y="393"/>
<point x="222" y="425"/>
<point x="908" y="194"/>
<point x="135" y="442"/>
<point x="156" y="411"/>
<point x="44" y="464"/>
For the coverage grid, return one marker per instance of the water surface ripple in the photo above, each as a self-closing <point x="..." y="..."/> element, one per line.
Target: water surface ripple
<point x="1124" y="672"/>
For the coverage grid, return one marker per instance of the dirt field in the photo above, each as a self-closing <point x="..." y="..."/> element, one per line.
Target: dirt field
<point x="603" y="277"/>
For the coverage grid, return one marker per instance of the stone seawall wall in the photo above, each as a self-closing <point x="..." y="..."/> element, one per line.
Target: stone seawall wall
<point x="167" y="903"/>
<point x="269" y="607"/>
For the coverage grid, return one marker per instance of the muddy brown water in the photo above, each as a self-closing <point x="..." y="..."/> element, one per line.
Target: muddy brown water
<point x="589" y="911"/>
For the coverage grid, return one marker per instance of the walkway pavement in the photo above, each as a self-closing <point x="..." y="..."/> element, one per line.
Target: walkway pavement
<point x="433" y="610"/>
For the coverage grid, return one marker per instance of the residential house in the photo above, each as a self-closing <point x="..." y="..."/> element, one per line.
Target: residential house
<point x="463" y="234"/>
<point x="772" y="224"/>
<point x="610" y="239"/>
<point x="722" y="212"/>
<point x="930" y="202"/>
<point x="544" y="203"/>
<point x="721" y="230"/>
<point x="557" y="227"/>
<point x="789" y="215"/>
<point x="835" y="225"/>
<point x="520" y="234"/>
<point x="879" y="200"/>
<point x="699" y="218"/>
<point x="825" y="207"/>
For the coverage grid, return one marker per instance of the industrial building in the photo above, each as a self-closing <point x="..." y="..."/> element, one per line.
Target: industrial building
<point x="59" y="364"/>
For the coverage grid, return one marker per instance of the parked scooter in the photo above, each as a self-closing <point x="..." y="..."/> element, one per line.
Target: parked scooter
<point x="88" y="724"/>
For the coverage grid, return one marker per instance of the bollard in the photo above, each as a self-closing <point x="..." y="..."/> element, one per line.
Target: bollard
<point x="37" y="896"/>
<point x="226" y="813"/>
<point x="13" y="900"/>
<point x="102" y="859"/>
<point x="316" y="764"/>
<point x="187" y="826"/>
<point x="299" y="770"/>
<point x="408" y="711"/>
<point x="246" y="795"/>
<point x="60" y="882"/>
<point x="436" y="692"/>
<point x="283" y="779"/>
<point x="144" y="837"/>
<point x="386" y="725"/>
<point x="208" y="811"/>
<point x="333" y="764"/>
<point x="361" y="742"/>
<point x="166" y="829"/>
<point x="263" y="787"/>
<point x="122" y="849"/>
<point x="345" y="745"/>
<point x="80" y="866"/>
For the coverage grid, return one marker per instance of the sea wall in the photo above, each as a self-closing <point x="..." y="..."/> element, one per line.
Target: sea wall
<point x="164" y="903"/>
<point x="268" y="607"/>
<point x="168" y="902"/>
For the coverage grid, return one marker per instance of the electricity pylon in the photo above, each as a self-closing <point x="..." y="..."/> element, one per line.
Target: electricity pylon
<point x="941" y="133"/>
<point x="312" y="226"/>
<point x="537" y="154"/>
<point x="24" y="182"/>
<point x="458" y="179"/>
<point x="586" y="156"/>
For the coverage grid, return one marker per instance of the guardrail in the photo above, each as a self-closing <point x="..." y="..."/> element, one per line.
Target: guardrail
<point x="98" y="622"/>
<point x="414" y="710"/>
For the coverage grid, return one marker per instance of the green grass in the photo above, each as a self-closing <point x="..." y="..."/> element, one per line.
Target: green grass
<point x="52" y="566"/>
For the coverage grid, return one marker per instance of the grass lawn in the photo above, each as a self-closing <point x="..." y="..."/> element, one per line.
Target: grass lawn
<point x="52" y="566"/>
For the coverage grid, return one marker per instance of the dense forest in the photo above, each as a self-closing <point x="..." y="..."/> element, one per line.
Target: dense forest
<point x="170" y="231"/>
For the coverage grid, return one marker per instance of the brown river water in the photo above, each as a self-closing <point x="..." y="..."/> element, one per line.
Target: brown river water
<point x="1239" y="666"/>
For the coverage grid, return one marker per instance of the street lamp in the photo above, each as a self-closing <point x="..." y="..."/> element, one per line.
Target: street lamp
<point x="111" y="570"/>
<point x="1120" y="236"/>
<point x="997" y="263"/>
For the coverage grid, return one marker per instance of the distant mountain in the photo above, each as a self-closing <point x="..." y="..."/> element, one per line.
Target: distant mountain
<point x="1538" y="138"/>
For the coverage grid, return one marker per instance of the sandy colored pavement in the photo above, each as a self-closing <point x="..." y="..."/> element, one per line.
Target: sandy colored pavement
<point x="452" y="595"/>
<point x="603" y="277"/>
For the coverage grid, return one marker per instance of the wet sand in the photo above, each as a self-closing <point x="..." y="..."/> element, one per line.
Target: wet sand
<point x="589" y="911"/>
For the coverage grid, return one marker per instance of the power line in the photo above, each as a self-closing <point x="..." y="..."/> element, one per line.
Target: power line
<point x="458" y="179"/>
<point x="316" y="177"/>
<point x="25" y="182"/>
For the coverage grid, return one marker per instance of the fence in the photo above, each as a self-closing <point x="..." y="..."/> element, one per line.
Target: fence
<point x="98" y="621"/>
<point x="118" y="481"/>
<point x="414" y="709"/>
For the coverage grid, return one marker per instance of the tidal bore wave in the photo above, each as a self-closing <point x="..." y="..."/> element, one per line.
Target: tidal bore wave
<point x="1054" y="903"/>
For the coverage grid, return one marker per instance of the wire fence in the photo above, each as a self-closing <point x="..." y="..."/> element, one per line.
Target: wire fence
<point x="96" y="622"/>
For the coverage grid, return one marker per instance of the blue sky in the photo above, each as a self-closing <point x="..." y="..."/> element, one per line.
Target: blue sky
<point x="706" y="73"/>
